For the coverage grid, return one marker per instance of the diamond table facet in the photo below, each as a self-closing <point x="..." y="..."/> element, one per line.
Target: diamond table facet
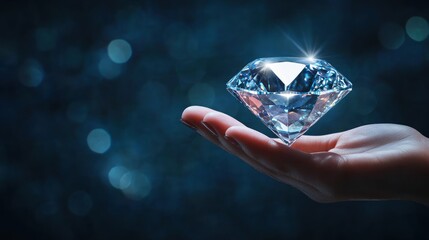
<point x="289" y="95"/>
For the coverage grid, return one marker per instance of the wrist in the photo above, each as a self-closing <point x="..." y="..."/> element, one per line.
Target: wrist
<point x="422" y="171"/>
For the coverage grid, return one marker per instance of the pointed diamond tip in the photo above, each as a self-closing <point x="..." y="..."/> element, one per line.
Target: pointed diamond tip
<point x="288" y="94"/>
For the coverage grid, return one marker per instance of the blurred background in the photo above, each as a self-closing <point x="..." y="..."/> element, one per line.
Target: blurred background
<point x="91" y="94"/>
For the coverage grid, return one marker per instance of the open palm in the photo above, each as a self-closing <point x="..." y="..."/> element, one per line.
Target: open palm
<point x="379" y="161"/>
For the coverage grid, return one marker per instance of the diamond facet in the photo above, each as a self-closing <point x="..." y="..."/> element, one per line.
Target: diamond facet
<point x="289" y="95"/>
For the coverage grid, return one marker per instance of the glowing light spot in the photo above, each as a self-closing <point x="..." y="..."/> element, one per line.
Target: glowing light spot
<point x="391" y="36"/>
<point x="109" y="69"/>
<point x="119" y="51"/>
<point x="201" y="93"/>
<point x="125" y="180"/>
<point x="309" y="48"/>
<point x="99" y="140"/>
<point x="31" y="74"/>
<point x="80" y="203"/>
<point x="115" y="175"/>
<point x="417" y="28"/>
<point x="138" y="186"/>
<point x="310" y="58"/>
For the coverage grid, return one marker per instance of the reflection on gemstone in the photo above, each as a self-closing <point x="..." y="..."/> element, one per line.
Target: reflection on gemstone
<point x="289" y="95"/>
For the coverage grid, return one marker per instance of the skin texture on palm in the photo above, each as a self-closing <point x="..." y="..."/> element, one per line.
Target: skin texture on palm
<point x="379" y="161"/>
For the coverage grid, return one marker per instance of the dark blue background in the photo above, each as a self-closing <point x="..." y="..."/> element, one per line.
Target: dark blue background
<point x="52" y="95"/>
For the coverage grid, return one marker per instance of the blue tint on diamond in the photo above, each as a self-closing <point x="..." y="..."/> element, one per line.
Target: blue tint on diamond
<point x="289" y="95"/>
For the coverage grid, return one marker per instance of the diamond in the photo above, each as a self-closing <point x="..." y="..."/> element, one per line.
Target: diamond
<point x="289" y="94"/>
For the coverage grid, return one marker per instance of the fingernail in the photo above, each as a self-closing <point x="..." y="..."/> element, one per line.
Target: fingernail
<point x="209" y="128"/>
<point x="188" y="124"/>
<point x="232" y="141"/>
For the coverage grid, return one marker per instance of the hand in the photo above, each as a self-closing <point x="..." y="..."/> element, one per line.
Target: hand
<point x="379" y="161"/>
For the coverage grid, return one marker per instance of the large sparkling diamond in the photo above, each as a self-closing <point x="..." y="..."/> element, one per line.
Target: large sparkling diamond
<point x="289" y="95"/>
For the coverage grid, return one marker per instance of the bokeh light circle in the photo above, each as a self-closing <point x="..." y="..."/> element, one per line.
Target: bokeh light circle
<point x="136" y="185"/>
<point x="201" y="94"/>
<point x="125" y="180"/>
<point x="99" y="140"/>
<point x="109" y="69"/>
<point x="80" y="203"/>
<point x="391" y="36"/>
<point x="119" y="51"/>
<point x="417" y="28"/>
<point x="115" y="175"/>
<point x="31" y="74"/>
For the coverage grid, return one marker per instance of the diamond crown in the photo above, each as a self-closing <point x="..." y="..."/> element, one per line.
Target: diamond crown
<point x="289" y="74"/>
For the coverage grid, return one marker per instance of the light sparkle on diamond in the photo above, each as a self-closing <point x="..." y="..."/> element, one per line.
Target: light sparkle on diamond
<point x="289" y="95"/>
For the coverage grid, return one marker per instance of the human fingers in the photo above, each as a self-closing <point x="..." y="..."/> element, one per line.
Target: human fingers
<point x="318" y="173"/>
<point x="193" y="116"/>
<point x="310" y="144"/>
<point x="212" y="125"/>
